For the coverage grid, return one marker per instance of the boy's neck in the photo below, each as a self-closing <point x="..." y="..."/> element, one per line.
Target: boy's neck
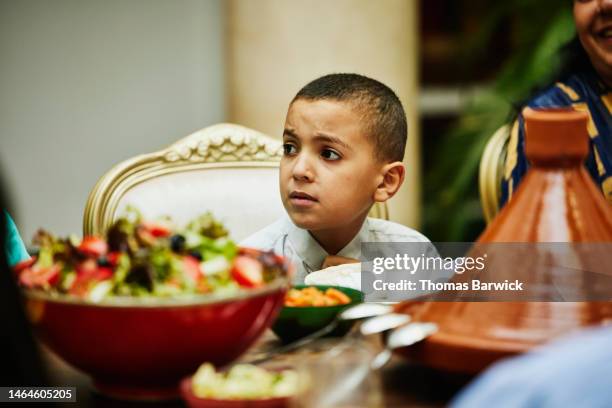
<point x="333" y="240"/>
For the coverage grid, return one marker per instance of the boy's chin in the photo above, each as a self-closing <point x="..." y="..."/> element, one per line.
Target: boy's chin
<point x="307" y="223"/>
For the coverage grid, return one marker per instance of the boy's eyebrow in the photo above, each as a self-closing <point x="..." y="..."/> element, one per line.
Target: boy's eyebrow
<point x="290" y="132"/>
<point x="319" y="137"/>
<point x="322" y="137"/>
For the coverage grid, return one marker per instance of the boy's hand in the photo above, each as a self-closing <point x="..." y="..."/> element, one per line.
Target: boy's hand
<point x="334" y="260"/>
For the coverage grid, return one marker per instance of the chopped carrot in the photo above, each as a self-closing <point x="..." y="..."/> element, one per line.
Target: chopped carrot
<point x="337" y="295"/>
<point x="311" y="296"/>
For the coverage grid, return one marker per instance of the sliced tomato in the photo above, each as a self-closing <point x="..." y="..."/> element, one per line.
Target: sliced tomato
<point x="192" y="267"/>
<point x="20" y="266"/>
<point x="37" y="277"/>
<point x="80" y="286"/>
<point x="144" y="236"/>
<point x="93" y="246"/>
<point x="89" y="269"/>
<point x="113" y="258"/>
<point x="87" y="274"/>
<point x="157" y="229"/>
<point x="103" y="273"/>
<point x="247" y="271"/>
<point x="53" y="274"/>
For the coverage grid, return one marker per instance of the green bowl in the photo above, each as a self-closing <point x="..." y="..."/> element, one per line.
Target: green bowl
<point x="296" y="322"/>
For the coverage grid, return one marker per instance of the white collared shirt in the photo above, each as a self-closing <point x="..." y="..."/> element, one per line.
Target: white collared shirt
<point x="296" y="244"/>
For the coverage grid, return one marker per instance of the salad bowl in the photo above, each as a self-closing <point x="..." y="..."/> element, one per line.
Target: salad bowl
<point x="139" y="317"/>
<point x="141" y="348"/>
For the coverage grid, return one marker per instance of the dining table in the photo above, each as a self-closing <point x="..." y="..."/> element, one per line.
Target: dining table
<point x="403" y="383"/>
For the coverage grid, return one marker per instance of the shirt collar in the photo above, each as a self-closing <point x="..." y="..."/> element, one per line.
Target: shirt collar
<point x="306" y="247"/>
<point x="313" y="254"/>
<point x="353" y="248"/>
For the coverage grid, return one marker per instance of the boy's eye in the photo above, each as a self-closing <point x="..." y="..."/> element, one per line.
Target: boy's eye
<point x="329" y="154"/>
<point x="289" y="149"/>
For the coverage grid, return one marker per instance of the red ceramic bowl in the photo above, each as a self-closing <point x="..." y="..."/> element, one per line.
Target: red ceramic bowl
<point x="138" y="348"/>
<point x="193" y="401"/>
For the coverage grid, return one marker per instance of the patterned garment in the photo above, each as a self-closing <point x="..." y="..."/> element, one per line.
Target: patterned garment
<point x="583" y="92"/>
<point x="14" y="248"/>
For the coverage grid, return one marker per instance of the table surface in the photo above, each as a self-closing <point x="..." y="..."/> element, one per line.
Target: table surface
<point x="404" y="384"/>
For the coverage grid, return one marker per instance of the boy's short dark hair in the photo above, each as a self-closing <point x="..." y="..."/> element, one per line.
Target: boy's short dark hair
<point x="384" y="116"/>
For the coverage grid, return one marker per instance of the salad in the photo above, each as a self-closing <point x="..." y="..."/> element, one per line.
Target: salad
<point x="144" y="258"/>
<point x="243" y="381"/>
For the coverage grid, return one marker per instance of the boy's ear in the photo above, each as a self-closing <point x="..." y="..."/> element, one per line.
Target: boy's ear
<point x="392" y="178"/>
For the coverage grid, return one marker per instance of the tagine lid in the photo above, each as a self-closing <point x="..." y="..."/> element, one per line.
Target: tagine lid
<point x="556" y="136"/>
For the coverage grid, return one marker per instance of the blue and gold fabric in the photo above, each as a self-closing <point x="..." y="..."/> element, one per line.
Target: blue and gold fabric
<point x="584" y="92"/>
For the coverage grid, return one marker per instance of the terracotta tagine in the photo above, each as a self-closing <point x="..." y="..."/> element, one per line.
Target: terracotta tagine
<point x="556" y="202"/>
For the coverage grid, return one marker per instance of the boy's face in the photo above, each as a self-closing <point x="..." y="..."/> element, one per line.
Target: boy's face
<point x="328" y="173"/>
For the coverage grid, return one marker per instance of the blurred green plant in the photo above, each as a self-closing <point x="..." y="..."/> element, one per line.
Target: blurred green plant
<point x="539" y="28"/>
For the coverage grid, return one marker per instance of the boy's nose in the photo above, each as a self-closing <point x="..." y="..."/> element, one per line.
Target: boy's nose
<point x="302" y="170"/>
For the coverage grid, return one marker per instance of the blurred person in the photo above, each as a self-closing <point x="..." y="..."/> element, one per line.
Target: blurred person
<point x="572" y="372"/>
<point x="21" y="362"/>
<point x="584" y="83"/>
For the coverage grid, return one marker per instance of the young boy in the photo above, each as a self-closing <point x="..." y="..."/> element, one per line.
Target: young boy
<point x="344" y="142"/>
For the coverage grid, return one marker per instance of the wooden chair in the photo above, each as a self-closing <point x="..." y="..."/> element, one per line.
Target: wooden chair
<point x="227" y="169"/>
<point x="491" y="172"/>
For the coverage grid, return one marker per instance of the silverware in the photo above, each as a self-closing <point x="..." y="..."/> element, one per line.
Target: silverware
<point x="383" y="323"/>
<point x="357" y="312"/>
<point x="403" y="337"/>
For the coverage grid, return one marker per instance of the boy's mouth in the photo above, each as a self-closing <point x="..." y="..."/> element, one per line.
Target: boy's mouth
<point x="301" y="199"/>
